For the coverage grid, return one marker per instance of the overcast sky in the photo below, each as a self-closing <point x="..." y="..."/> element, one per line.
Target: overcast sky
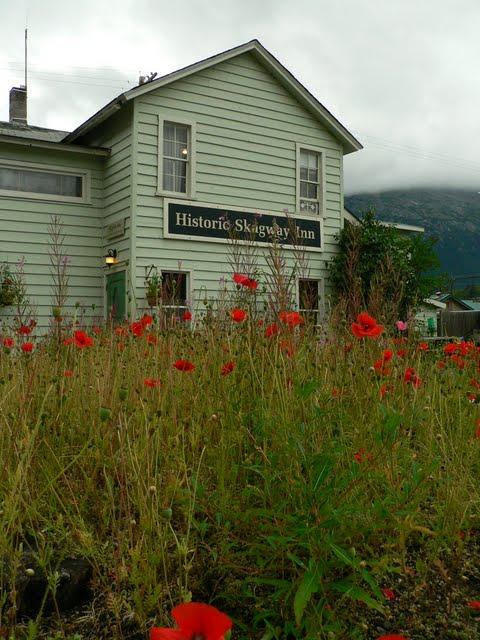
<point x="402" y="75"/>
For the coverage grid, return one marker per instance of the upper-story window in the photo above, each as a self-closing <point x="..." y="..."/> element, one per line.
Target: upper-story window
<point x="310" y="177"/>
<point x="28" y="181"/>
<point x="177" y="158"/>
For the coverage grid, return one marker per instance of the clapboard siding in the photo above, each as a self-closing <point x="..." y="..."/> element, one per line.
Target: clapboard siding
<point x="247" y="129"/>
<point x="24" y="235"/>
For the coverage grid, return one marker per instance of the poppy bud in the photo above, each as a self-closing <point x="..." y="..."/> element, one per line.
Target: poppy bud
<point x="104" y="413"/>
<point x="122" y="393"/>
<point x="166" y="513"/>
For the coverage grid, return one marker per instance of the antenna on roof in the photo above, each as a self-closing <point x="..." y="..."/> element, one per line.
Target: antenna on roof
<point x="26" y="56"/>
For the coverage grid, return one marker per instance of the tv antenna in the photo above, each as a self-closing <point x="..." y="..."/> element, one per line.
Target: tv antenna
<point x="26" y="57"/>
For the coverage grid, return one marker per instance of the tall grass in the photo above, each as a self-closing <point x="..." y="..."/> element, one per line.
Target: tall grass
<point x="286" y="492"/>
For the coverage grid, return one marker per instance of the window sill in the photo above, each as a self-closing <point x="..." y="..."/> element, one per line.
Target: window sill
<point x="174" y="195"/>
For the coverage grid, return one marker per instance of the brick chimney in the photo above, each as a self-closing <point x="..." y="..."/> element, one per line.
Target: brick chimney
<point x="18" y="105"/>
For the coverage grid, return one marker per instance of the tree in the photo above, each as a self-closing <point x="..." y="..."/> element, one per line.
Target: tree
<point x="381" y="269"/>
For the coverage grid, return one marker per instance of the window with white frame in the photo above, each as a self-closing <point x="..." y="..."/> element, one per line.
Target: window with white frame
<point x="309" y="298"/>
<point x="42" y="183"/>
<point x="309" y="180"/>
<point x="176" y="161"/>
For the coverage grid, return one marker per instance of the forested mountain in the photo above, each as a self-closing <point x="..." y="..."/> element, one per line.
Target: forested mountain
<point x="450" y="215"/>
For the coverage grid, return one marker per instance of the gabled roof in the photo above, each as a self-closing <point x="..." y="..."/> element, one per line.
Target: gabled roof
<point x="348" y="141"/>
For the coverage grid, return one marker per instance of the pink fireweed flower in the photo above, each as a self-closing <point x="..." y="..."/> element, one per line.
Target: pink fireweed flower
<point x="401" y="325"/>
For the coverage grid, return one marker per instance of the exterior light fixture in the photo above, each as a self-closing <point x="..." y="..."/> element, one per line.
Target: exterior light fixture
<point x="111" y="257"/>
<point x="185" y="152"/>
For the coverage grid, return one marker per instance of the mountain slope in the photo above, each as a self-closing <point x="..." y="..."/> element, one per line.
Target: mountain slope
<point x="450" y="215"/>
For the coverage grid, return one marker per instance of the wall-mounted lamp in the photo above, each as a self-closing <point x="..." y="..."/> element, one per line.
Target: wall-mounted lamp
<point x="111" y="257"/>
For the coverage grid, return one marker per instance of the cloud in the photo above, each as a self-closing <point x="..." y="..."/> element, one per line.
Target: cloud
<point x="401" y="75"/>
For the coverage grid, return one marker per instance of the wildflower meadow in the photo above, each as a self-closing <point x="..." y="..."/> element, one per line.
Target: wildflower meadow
<point x="259" y="477"/>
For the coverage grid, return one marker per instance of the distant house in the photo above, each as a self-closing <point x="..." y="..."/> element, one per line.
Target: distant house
<point x="158" y="179"/>
<point x="427" y="316"/>
<point x="456" y="304"/>
<point x="349" y="216"/>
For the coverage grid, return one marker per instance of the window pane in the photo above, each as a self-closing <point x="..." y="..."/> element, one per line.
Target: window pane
<point x="175" y="152"/>
<point x="303" y="173"/>
<point x="168" y="148"/>
<point x="180" y="185"/>
<point x="181" y="133"/>
<point x="168" y="131"/>
<point x="174" y="288"/>
<point x="303" y="158"/>
<point x="311" y="191"/>
<point x="168" y="182"/>
<point x="43" y="182"/>
<point x="308" y="294"/>
<point x="303" y="189"/>
<point x="312" y="175"/>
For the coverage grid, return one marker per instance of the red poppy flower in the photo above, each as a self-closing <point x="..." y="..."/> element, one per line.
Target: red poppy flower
<point x="472" y="397"/>
<point x="137" y="329"/>
<point x="441" y="364"/>
<point x="477" y="430"/>
<point x="27" y="347"/>
<point x="366" y="326"/>
<point x="245" y="281"/>
<point x="410" y="377"/>
<point x="146" y="320"/>
<point x="227" y="368"/>
<point x="287" y="347"/>
<point x="97" y="330"/>
<point x="291" y="318"/>
<point x="120" y="331"/>
<point x="186" y="316"/>
<point x="387" y="355"/>
<point x="360" y="456"/>
<point x="68" y="373"/>
<point x="401" y="353"/>
<point x="450" y="348"/>
<point x="151" y="382"/>
<point x="194" y="621"/>
<point x="381" y="368"/>
<point x="8" y="343"/>
<point x="184" y="365"/>
<point x="238" y="315"/>
<point x="392" y="636"/>
<point x="272" y="330"/>
<point x="82" y="340"/>
<point x="474" y="604"/>
<point x="389" y="594"/>
<point x="25" y="330"/>
<point x="151" y="339"/>
<point x="423" y="346"/>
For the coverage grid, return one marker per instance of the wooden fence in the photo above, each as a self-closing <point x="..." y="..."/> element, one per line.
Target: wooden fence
<point x="460" y="324"/>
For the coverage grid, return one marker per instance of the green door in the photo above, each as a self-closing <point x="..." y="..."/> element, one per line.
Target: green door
<point x="116" y="295"/>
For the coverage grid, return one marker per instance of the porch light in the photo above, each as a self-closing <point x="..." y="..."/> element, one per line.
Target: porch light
<point x="111" y="257"/>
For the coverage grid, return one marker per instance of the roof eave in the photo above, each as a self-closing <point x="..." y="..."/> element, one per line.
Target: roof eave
<point x="57" y="146"/>
<point x="97" y="118"/>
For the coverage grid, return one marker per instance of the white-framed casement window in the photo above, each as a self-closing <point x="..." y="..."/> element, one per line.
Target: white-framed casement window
<point x="29" y="180"/>
<point x="175" y="292"/>
<point x="309" y="298"/>
<point x="310" y="180"/>
<point x="176" y="157"/>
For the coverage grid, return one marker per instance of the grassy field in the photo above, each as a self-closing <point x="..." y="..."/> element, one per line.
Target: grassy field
<point x="308" y="486"/>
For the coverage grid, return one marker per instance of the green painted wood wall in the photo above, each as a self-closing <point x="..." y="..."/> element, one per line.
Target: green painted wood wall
<point x="247" y="129"/>
<point x="24" y="234"/>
